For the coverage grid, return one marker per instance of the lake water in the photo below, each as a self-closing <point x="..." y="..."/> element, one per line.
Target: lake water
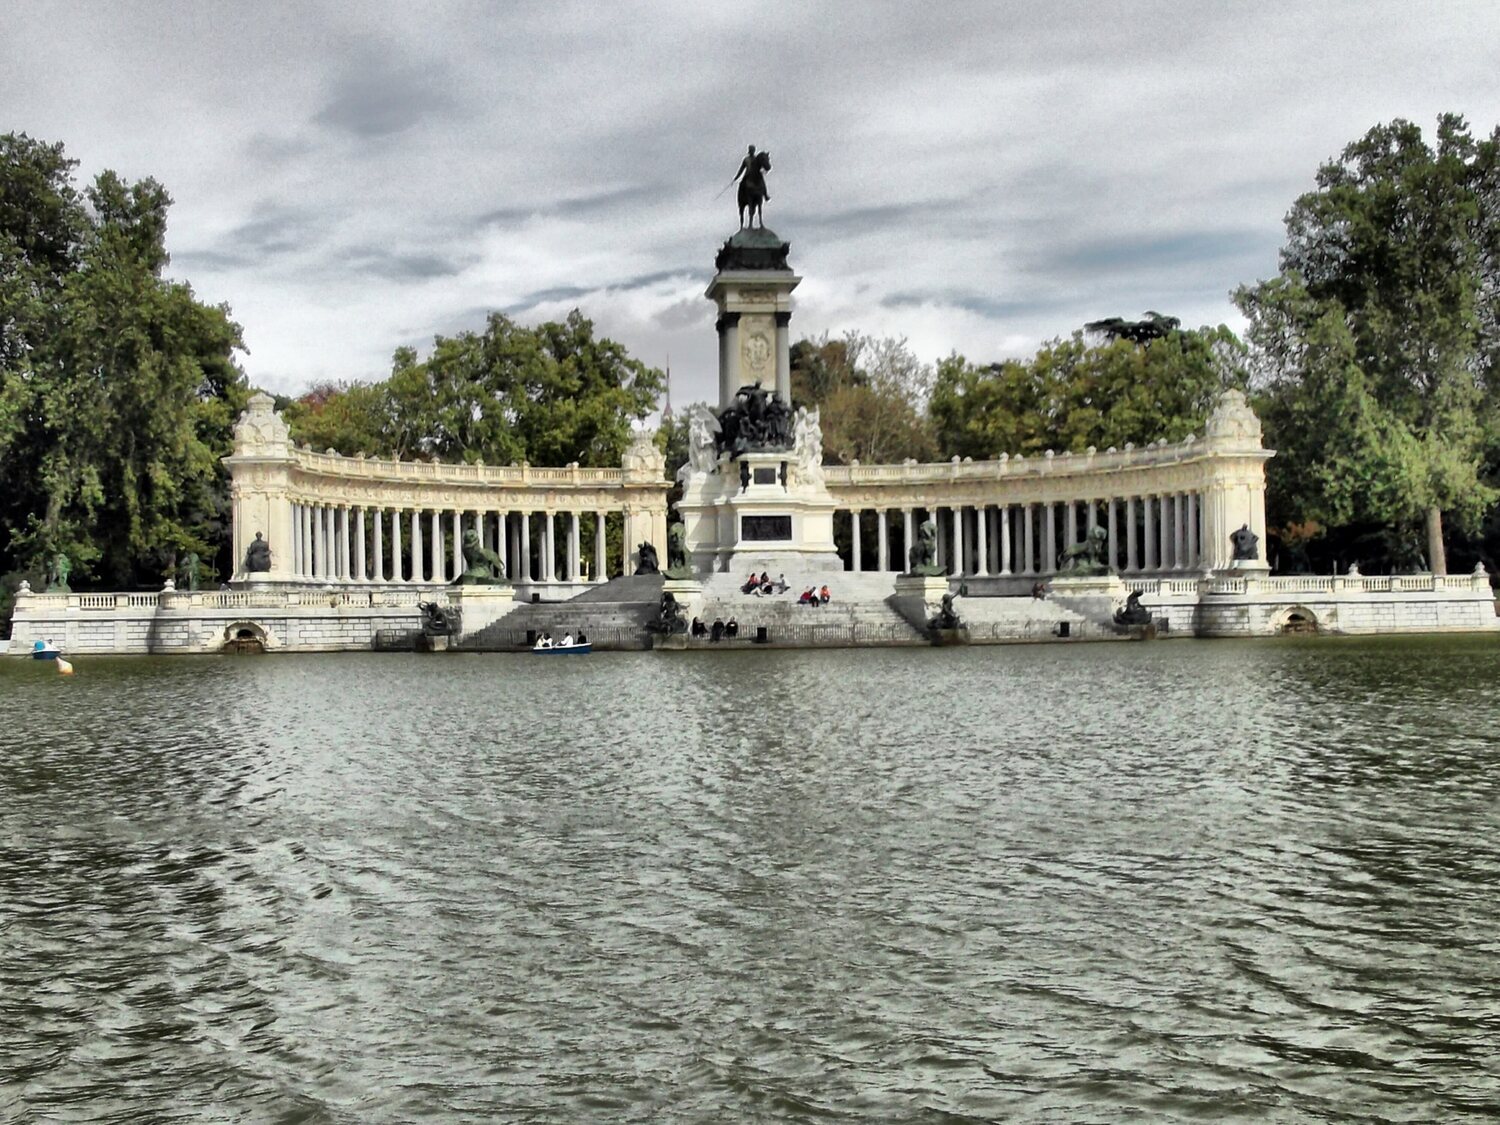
<point x="1170" y="881"/>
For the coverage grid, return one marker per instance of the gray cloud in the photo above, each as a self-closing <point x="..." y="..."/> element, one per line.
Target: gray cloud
<point x="976" y="176"/>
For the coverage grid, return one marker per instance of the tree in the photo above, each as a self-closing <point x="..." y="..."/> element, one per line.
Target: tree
<point x="118" y="388"/>
<point x="1377" y="344"/>
<point x="1073" y="394"/>
<point x="872" y="394"/>
<point x="550" y="395"/>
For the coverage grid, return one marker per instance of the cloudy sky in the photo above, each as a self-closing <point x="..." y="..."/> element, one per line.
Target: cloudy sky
<point x="973" y="176"/>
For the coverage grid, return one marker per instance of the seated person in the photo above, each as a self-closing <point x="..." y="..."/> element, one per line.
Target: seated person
<point x="766" y="589"/>
<point x="717" y="631"/>
<point x="731" y="628"/>
<point x="699" y="629"/>
<point x="781" y="586"/>
<point x="544" y="641"/>
<point x="567" y="640"/>
<point x="824" y="596"/>
<point x="804" y="597"/>
<point x="583" y="638"/>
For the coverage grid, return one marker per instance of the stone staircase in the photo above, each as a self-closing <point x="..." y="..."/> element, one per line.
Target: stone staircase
<point x="613" y="616"/>
<point x="857" y="614"/>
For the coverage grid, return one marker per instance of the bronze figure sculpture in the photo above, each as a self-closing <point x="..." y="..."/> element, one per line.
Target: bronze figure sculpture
<point x="752" y="193"/>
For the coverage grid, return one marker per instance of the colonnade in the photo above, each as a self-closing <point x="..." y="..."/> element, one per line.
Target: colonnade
<point x="1151" y="533"/>
<point x="353" y="543"/>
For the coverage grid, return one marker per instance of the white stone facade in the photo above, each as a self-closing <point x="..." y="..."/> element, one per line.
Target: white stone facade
<point x="1166" y="508"/>
<point x="333" y="519"/>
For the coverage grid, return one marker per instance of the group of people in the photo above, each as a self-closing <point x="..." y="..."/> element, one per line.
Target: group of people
<point x="568" y="641"/>
<point x="718" y="631"/>
<point x="761" y="585"/>
<point x="815" y="597"/>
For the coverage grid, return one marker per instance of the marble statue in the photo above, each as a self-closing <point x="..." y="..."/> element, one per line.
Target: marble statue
<point x="703" y="430"/>
<point x="807" y="444"/>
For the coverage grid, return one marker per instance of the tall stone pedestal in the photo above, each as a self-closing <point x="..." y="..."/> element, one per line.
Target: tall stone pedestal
<point x="758" y="512"/>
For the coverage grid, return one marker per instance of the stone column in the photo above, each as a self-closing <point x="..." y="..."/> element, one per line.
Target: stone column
<point x="600" y="570"/>
<point x="1148" y="533"/>
<point x="296" y="538"/>
<point x="1114" y="536"/>
<point x="575" y="548"/>
<point x="1049" y="540"/>
<point x="1164" y="529"/>
<point x="982" y="540"/>
<point x="549" y="549"/>
<point x="1028" y="544"/>
<point x="958" y="540"/>
<point x="379" y="569"/>
<point x="513" y="535"/>
<point x="855" y="563"/>
<point x="784" y="359"/>
<point x="525" y="557"/>
<point x="882" y="537"/>
<point x="307" y="540"/>
<point x="361" y="570"/>
<point x="320" y="541"/>
<point x="436" y="519"/>
<point x="729" y="360"/>
<point x="907" y="533"/>
<point x="1091" y="515"/>
<point x="1005" y="551"/>
<point x="418" y="563"/>
<point x="1131" y="555"/>
<point x="1192" y="530"/>
<point x="458" y="543"/>
<point x="1070" y="522"/>
<point x="397" y="573"/>
<point x="1179" y="539"/>
<point x="346" y="562"/>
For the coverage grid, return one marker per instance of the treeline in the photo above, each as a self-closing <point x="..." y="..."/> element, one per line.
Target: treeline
<point x="1371" y="357"/>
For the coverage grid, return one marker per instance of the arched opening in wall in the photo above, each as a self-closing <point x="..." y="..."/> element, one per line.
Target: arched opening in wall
<point x="1297" y="619"/>
<point x="244" y="637"/>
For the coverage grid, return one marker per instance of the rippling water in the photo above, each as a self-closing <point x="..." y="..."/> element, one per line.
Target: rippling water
<point x="1156" y="882"/>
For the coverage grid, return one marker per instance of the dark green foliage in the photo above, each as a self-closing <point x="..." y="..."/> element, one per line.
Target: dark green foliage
<point x="549" y="395"/>
<point x="1377" y="344"/>
<point x="118" y="389"/>
<point x="1073" y="394"/>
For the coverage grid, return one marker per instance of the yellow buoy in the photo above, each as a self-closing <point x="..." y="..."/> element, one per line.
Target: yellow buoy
<point x="63" y="667"/>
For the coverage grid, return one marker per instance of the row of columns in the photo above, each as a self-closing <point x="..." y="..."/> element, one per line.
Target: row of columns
<point x="1156" y="532"/>
<point x="335" y="542"/>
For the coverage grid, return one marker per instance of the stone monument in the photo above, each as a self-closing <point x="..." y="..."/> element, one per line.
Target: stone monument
<point x="753" y="489"/>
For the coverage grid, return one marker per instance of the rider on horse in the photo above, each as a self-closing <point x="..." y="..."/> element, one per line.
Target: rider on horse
<point x="753" y="185"/>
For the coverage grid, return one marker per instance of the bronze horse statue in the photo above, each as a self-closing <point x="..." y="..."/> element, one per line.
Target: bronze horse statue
<point x="753" y="188"/>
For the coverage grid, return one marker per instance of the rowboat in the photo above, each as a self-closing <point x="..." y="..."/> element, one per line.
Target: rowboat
<point x="44" y="650"/>
<point x="565" y="650"/>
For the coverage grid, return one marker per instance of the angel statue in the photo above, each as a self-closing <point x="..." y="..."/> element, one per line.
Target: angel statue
<point x="703" y="453"/>
<point x="807" y="444"/>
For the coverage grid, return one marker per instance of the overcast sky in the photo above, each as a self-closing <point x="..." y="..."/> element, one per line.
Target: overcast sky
<point x="979" y="177"/>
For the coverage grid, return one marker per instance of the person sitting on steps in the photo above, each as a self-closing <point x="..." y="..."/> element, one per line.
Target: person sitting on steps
<point x="731" y="628"/>
<point x="824" y="597"/>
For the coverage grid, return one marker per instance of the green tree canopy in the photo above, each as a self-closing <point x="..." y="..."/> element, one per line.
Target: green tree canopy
<point x="1074" y="394"/>
<point x="118" y="388"/>
<point x="549" y="395"/>
<point x="872" y="393"/>
<point x="1377" y="344"/>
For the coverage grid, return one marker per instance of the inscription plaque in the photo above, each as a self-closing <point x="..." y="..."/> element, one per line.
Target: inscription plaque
<point x="764" y="528"/>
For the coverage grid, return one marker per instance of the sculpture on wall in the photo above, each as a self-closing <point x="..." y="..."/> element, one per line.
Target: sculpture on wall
<point x="1245" y="542"/>
<point x="946" y="616"/>
<point x="58" y="570"/>
<point x="482" y="566"/>
<point x="1133" y="612"/>
<point x="755" y="422"/>
<point x="258" y="556"/>
<point x="923" y="554"/>
<point x="437" y="621"/>
<point x="703" y="446"/>
<point x="671" y="617"/>
<point x="807" y="444"/>
<point x="1086" y="559"/>
<point x="648" y="563"/>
